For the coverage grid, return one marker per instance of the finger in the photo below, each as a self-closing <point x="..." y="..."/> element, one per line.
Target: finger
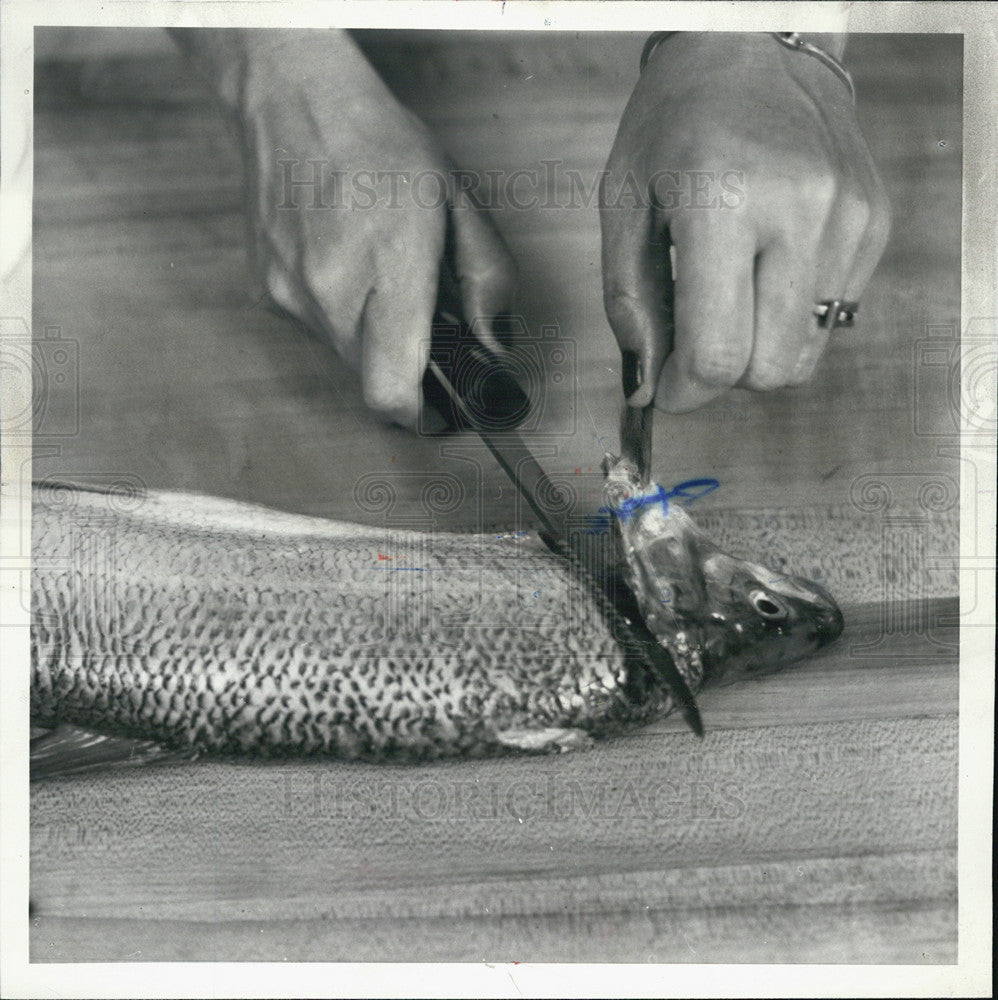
<point x="485" y="270"/>
<point x="787" y="340"/>
<point x="862" y="212"/>
<point x="873" y="221"/>
<point x="714" y="312"/>
<point x="852" y="244"/>
<point x="637" y="289"/>
<point x="395" y="332"/>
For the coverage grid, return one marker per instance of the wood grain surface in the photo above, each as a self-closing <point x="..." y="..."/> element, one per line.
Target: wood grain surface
<point x="817" y="820"/>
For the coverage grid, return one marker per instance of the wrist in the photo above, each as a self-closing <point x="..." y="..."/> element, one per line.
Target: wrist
<point x="247" y="65"/>
<point x="834" y="43"/>
<point x="698" y="56"/>
<point x="218" y="54"/>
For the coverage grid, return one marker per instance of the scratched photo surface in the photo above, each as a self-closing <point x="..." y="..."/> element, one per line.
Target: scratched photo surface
<point x="815" y="821"/>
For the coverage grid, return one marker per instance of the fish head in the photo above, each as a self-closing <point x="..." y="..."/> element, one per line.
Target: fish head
<point x="732" y="616"/>
<point x="761" y="620"/>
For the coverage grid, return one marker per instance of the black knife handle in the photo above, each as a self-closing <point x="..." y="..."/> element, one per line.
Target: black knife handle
<point x="492" y="398"/>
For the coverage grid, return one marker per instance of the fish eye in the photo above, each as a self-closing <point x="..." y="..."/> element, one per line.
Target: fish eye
<point x="767" y="606"/>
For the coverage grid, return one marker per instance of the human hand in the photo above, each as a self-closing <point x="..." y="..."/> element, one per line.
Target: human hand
<point x="351" y="205"/>
<point x="746" y="159"/>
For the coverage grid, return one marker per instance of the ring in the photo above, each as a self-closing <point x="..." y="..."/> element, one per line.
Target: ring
<point x="836" y="313"/>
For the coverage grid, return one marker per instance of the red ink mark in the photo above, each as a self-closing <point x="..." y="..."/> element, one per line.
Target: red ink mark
<point x="393" y="458"/>
<point x="382" y="558"/>
<point x="578" y="470"/>
<point x="590" y="469"/>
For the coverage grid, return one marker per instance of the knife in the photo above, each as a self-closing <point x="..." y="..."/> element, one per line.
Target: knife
<point x="460" y="366"/>
<point x="635" y="421"/>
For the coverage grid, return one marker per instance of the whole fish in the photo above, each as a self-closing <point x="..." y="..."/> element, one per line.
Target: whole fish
<point x="211" y="625"/>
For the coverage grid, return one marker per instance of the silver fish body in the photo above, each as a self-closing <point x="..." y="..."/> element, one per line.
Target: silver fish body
<point x="218" y="626"/>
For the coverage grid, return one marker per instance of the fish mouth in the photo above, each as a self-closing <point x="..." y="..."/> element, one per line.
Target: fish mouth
<point x="829" y="623"/>
<point x="829" y="627"/>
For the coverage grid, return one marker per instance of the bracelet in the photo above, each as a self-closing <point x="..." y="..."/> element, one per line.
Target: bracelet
<point x="654" y="40"/>
<point x="789" y="39"/>
<point x="793" y="40"/>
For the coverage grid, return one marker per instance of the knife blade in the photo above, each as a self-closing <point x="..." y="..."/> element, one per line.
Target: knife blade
<point x="635" y="421"/>
<point x="516" y="460"/>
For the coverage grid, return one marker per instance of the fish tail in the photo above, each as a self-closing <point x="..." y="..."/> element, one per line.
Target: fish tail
<point x="70" y="749"/>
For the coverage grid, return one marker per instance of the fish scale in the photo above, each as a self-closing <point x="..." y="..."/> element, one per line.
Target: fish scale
<point x="212" y="625"/>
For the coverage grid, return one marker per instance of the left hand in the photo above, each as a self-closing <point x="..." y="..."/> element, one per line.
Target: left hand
<point x="745" y="158"/>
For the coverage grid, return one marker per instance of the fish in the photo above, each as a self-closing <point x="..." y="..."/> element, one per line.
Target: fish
<point x="189" y="624"/>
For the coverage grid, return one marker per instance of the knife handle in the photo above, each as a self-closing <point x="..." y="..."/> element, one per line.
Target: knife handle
<point x="493" y="399"/>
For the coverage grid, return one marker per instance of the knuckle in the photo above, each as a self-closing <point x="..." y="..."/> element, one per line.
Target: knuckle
<point x="879" y="223"/>
<point x="803" y="373"/>
<point x="854" y="210"/>
<point x="500" y="273"/>
<point x="765" y="376"/>
<point x="818" y="192"/>
<point x="318" y="272"/>
<point x="717" y="368"/>
<point x="623" y="309"/>
<point x="390" y="399"/>
<point x="279" y="288"/>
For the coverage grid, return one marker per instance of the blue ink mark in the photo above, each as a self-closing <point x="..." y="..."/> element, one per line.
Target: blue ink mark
<point x="689" y="490"/>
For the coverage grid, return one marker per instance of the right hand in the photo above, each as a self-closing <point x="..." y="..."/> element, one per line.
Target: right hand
<point x="356" y="260"/>
<point x="809" y="220"/>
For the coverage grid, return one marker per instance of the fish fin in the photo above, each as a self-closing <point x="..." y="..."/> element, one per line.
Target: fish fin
<point x="552" y="740"/>
<point x="70" y="749"/>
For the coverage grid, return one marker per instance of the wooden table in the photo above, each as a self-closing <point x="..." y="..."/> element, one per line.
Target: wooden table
<point x="817" y="820"/>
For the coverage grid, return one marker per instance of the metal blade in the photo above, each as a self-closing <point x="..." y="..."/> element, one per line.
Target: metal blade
<point x="517" y="462"/>
<point x="635" y="421"/>
<point x="635" y="440"/>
